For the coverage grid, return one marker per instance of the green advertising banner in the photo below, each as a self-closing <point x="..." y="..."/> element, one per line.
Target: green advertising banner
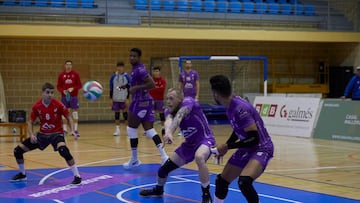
<point x="339" y="120"/>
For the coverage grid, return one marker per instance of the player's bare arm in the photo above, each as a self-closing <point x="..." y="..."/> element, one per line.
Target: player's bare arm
<point x="33" y="138"/>
<point x="148" y="84"/>
<point x="168" y="137"/>
<point x="183" y="111"/>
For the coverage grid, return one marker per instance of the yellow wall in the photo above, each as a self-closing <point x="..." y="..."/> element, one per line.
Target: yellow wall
<point x="27" y="59"/>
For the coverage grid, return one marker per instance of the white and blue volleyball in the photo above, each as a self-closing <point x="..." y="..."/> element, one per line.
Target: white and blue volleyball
<point x="92" y="90"/>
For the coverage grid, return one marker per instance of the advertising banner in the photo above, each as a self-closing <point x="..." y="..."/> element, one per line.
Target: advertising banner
<point x="292" y="116"/>
<point x="339" y="120"/>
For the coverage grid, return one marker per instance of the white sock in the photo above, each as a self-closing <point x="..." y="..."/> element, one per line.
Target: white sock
<point x="117" y="127"/>
<point x="65" y="127"/>
<point x="75" y="126"/>
<point x="22" y="168"/>
<point x="75" y="170"/>
<point x="161" y="150"/>
<point x="217" y="200"/>
<point x="204" y="185"/>
<point x="134" y="154"/>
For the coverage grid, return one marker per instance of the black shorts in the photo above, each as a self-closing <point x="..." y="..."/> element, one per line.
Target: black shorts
<point x="43" y="140"/>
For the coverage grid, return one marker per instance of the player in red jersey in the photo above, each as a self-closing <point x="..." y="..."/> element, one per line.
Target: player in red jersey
<point x="68" y="85"/>
<point x="158" y="94"/>
<point x="49" y="111"/>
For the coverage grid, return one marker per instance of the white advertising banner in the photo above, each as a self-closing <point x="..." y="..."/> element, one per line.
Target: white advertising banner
<point x="291" y="116"/>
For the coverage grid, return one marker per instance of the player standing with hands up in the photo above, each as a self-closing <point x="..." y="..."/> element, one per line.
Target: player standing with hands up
<point x="250" y="138"/>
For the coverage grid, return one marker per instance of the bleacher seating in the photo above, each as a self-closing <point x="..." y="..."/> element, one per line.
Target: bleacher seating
<point x="86" y="3"/>
<point x="248" y="7"/>
<point x="209" y="5"/>
<point x="299" y="9"/>
<point x="41" y="3"/>
<point x="286" y="9"/>
<point x="141" y="4"/>
<point x="222" y="6"/>
<point x="273" y="8"/>
<point x="169" y="5"/>
<point x="260" y="7"/>
<point x="182" y="5"/>
<point x="235" y="7"/>
<point x="25" y="3"/>
<point x="196" y="5"/>
<point x="9" y="2"/>
<point x="155" y="5"/>
<point x="56" y="3"/>
<point x="309" y="10"/>
<point x="71" y="3"/>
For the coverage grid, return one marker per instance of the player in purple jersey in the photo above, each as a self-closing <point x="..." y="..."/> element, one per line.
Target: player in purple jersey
<point x="187" y="114"/>
<point x="250" y="138"/>
<point x="189" y="81"/>
<point x="141" y="110"/>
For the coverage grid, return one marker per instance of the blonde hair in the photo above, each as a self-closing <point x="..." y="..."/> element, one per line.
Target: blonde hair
<point x="178" y="92"/>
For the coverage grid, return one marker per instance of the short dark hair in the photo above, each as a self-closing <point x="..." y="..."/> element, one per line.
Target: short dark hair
<point x="137" y="50"/>
<point x="68" y="61"/>
<point x="157" y="68"/>
<point x="221" y="85"/>
<point x="47" y="85"/>
<point x="120" y="63"/>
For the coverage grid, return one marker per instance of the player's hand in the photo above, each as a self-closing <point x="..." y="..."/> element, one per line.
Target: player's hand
<point x="33" y="139"/>
<point x="168" y="138"/>
<point x="70" y="89"/>
<point x="65" y="92"/>
<point x="222" y="149"/>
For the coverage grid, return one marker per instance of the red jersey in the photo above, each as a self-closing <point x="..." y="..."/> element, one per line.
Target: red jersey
<point x="158" y="92"/>
<point x="67" y="80"/>
<point x="49" y="116"/>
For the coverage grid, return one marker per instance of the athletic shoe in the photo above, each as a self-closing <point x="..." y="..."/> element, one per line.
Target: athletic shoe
<point x="76" y="181"/>
<point x="18" y="177"/>
<point x="206" y="198"/>
<point x="117" y="132"/>
<point x="164" y="159"/>
<point x="131" y="164"/>
<point x="76" y="134"/>
<point x="156" y="191"/>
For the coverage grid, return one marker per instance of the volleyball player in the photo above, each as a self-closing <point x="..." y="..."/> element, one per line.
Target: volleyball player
<point x="141" y="110"/>
<point x="119" y="94"/>
<point x="49" y="111"/>
<point x="68" y="85"/>
<point x="252" y="142"/>
<point x="187" y="114"/>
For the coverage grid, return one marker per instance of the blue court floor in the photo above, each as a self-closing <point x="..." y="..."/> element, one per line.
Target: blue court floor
<point x="114" y="184"/>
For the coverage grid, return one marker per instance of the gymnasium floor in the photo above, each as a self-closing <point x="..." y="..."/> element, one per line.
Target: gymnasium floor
<point x="302" y="170"/>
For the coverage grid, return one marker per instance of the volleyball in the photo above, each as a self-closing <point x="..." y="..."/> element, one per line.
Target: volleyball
<point x="92" y="90"/>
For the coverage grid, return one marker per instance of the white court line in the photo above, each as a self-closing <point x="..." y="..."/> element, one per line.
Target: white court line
<point x="119" y="194"/>
<point x="181" y="180"/>
<point x="86" y="164"/>
<point x="180" y="177"/>
<point x="58" y="201"/>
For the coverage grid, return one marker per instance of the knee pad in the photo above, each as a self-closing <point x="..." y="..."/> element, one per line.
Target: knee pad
<point x="64" y="152"/>
<point x="75" y="115"/>
<point x="221" y="187"/>
<point x="247" y="189"/>
<point x="162" y="116"/>
<point x="125" y="115"/>
<point x="19" y="153"/>
<point x="151" y="133"/>
<point x="245" y="181"/>
<point x="117" y="115"/>
<point x="166" y="168"/>
<point x="132" y="132"/>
